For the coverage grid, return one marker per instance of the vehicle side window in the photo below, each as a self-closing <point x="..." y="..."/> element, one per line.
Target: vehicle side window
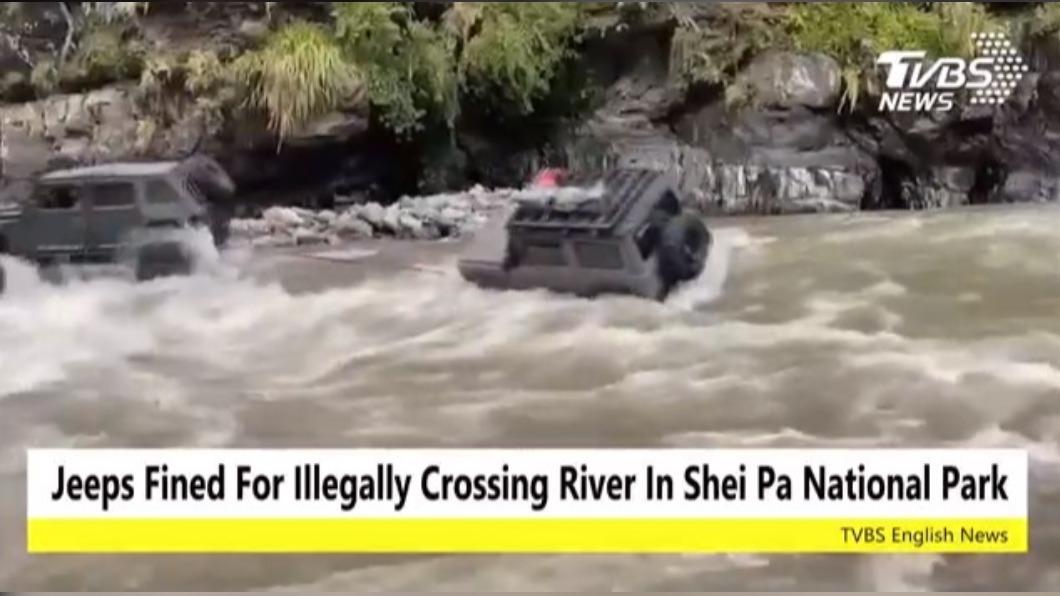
<point x="113" y="195"/>
<point x="161" y="192"/>
<point x="544" y="254"/>
<point x="58" y="198"/>
<point x="599" y="256"/>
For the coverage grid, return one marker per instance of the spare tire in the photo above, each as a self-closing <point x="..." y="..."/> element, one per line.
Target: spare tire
<point x="684" y="246"/>
<point x="212" y="179"/>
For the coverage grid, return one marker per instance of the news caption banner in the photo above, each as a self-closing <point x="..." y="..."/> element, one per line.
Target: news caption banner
<point x="527" y="501"/>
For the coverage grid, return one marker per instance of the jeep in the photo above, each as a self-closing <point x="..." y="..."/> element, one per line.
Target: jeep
<point x="119" y="213"/>
<point x="631" y="236"/>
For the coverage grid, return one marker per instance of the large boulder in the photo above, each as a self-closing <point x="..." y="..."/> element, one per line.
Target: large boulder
<point x="785" y="151"/>
<point x="83" y="128"/>
<point x="787" y="80"/>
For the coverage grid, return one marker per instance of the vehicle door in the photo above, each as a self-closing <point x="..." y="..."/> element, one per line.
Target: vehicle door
<point x="57" y="222"/>
<point x="113" y="215"/>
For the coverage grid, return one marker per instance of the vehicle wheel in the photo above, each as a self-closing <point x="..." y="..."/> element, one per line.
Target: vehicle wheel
<point x="220" y="226"/>
<point x="164" y="259"/>
<point x="211" y="178"/>
<point x="3" y="279"/>
<point x="684" y="246"/>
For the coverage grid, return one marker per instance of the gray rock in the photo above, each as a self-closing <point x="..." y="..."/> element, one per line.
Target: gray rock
<point x="788" y="80"/>
<point x="452" y="217"/>
<point x="254" y="30"/>
<point x="283" y="219"/>
<point x="410" y="224"/>
<point x="326" y="217"/>
<point x="336" y="126"/>
<point x="763" y="189"/>
<point x="249" y="228"/>
<point x="392" y="219"/>
<point x="349" y="226"/>
<point x="373" y="213"/>
<point x="1029" y="186"/>
<point x="941" y="188"/>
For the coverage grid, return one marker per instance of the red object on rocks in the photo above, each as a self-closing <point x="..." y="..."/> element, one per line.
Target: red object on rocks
<point x="550" y="178"/>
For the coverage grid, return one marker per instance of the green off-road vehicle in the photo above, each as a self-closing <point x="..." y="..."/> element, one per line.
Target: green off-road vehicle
<point x="626" y="234"/>
<point x="119" y="213"/>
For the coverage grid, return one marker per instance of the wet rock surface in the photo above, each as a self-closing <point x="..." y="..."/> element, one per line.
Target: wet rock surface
<point x="771" y="141"/>
<point x="434" y="217"/>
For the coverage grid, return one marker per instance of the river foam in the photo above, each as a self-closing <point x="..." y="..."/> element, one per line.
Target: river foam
<point x="822" y="332"/>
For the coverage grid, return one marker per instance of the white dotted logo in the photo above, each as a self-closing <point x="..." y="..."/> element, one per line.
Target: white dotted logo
<point x="916" y="82"/>
<point x="1009" y="68"/>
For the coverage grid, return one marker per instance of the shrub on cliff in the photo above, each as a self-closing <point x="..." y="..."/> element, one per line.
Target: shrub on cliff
<point x="709" y="48"/>
<point x="412" y="72"/>
<point x="408" y="65"/>
<point x="512" y="61"/>
<point x="298" y="75"/>
<point x="106" y="53"/>
<point x="855" y="33"/>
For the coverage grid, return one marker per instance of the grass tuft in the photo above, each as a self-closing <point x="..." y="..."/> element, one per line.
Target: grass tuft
<point x="300" y="74"/>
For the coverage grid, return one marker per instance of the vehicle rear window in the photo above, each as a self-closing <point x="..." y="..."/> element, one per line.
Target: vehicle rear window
<point x="113" y="195"/>
<point x="161" y="192"/>
<point x="57" y="198"/>
<point x="599" y="256"/>
<point x="544" y="254"/>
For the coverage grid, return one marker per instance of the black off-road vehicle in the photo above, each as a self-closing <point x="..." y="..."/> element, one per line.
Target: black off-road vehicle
<point x="119" y="213"/>
<point x="626" y="234"/>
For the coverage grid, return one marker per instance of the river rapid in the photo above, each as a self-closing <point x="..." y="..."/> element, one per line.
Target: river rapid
<point x="912" y="330"/>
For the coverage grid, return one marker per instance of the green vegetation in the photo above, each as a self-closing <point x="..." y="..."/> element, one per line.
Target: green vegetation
<point x="419" y="66"/>
<point x="408" y="67"/>
<point x="300" y="74"/>
<point x="855" y="33"/>
<point x="711" y="53"/>
<point x="1046" y="21"/>
<point x="412" y="72"/>
<point x="513" y="60"/>
<point x="105" y="53"/>
<point x="169" y="83"/>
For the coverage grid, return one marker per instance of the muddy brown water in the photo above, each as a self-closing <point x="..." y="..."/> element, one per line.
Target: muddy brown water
<point x="875" y="330"/>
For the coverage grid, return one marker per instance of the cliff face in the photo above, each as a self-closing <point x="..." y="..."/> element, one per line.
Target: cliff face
<point x="793" y="152"/>
<point x="787" y="151"/>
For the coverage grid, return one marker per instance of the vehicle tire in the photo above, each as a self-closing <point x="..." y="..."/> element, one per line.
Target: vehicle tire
<point x="163" y="259"/>
<point x="684" y="246"/>
<point x="4" y="249"/>
<point x="211" y="178"/>
<point x="220" y="225"/>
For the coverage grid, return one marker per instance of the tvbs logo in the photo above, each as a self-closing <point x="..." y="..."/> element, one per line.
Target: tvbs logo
<point x="915" y="85"/>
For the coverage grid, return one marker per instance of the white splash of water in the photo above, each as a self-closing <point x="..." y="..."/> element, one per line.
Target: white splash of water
<point x="710" y="285"/>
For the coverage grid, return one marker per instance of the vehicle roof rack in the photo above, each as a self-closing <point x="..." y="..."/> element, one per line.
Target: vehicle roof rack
<point x="591" y="212"/>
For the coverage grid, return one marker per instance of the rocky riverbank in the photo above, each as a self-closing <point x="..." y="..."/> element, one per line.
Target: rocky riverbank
<point x="435" y="217"/>
<point x="761" y="129"/>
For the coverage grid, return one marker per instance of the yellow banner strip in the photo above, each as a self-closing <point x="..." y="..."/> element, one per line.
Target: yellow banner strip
<point x="525" y="536"/>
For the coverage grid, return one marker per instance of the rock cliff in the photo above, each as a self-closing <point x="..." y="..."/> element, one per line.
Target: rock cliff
<point x="771" y="141"/>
